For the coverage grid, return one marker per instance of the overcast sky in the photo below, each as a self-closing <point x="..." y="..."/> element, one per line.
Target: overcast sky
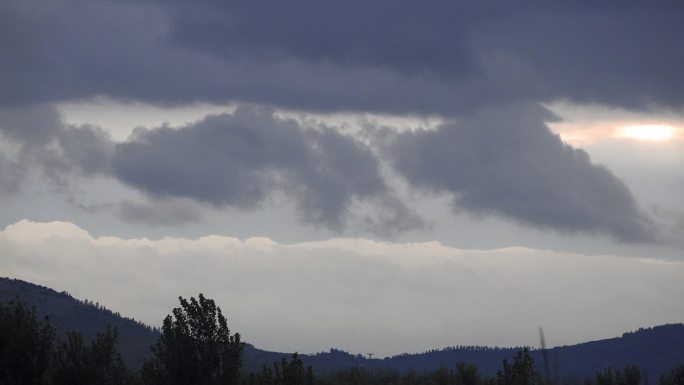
<point x="385" y="176"/>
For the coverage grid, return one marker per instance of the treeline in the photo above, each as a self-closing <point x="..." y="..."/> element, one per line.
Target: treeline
<point x="30" y="353"/>
<point x="196" y="347"/>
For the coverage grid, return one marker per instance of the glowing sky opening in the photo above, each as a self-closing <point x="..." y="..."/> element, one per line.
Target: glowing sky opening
<point x="584" y="125"/>
<point x="651" y="132"/>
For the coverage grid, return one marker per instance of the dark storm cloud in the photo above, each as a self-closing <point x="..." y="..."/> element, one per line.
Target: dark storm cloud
<point x="624" y="54"/>
<point x="31" y="127"/>
<point x="508" y="163"/>
<point x="504" y="162"/>
<point x="87" y="146"/>
<point x="450" y="58"/>
<point x="388" y="34"/>
<point x="40" y="140"/>
<point x="402" y="56"/>
<point x="10" y="175"/>
<point x="239" y="160"/>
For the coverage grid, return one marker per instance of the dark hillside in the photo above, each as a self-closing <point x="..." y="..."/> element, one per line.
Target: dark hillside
<point x="655" y="350"/>
<point x="67" y="313"/>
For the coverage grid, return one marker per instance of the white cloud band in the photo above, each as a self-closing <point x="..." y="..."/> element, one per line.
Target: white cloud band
<point x="355" y="294"/>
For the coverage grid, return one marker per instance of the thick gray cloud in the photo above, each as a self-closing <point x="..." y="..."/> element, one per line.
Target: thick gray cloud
<point x="37" y="139"/>
<point x="508" y="163"/>
<point x="10" y="175"/>
<point x="500" y="161"/>
<point x="386" y="34"/>
<point x="504" y="162"/>
<point x="32" y="127"/>
<point x="240" y="159"/>
<point x="235" y="160"/>
<point x="87" y="146"/>
<point x="449" y="58"/>
<point x="392" y="56"/>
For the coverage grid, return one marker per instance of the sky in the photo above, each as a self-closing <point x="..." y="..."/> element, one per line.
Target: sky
<point x="384" y="177"/>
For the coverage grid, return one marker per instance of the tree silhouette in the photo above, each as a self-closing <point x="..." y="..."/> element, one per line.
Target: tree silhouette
<point x="26" y="345"/>
<point x="196" y="347"/>
<point x="632" y="375"/>
<point x="521" y="372"/>
<point x="674" y="377"/>
<point x="605" y="378"/>
<point x="467" y="374"/>
<point x="609" y="376"/>
<point x="97" y="364"/>
<point x="284" y="372"/>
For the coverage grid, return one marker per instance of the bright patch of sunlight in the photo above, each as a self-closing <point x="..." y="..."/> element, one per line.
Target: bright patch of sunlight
<point x="652" y="132"/>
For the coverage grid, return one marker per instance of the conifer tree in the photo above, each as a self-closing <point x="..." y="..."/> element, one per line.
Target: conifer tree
<point x="26" y="345"/>
<point x="467" y="374"/>
<point x="100" y="363"/>
<point x="674" y="377"/>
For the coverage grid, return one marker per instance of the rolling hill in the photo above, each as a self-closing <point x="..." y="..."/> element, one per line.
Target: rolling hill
<point x="655" y="349"/>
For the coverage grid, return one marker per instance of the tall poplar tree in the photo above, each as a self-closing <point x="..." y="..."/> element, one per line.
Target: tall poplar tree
<point x="196" y="347"/>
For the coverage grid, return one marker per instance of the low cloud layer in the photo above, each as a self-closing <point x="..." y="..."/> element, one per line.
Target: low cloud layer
<point x="507" y="162"/>
<point x="355" y="294"/>
<point x="503" y="162"/>
<point x="237" y="160"/>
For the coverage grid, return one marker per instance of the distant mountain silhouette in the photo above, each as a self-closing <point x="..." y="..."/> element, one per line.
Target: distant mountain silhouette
<point x="655" y="350"/>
